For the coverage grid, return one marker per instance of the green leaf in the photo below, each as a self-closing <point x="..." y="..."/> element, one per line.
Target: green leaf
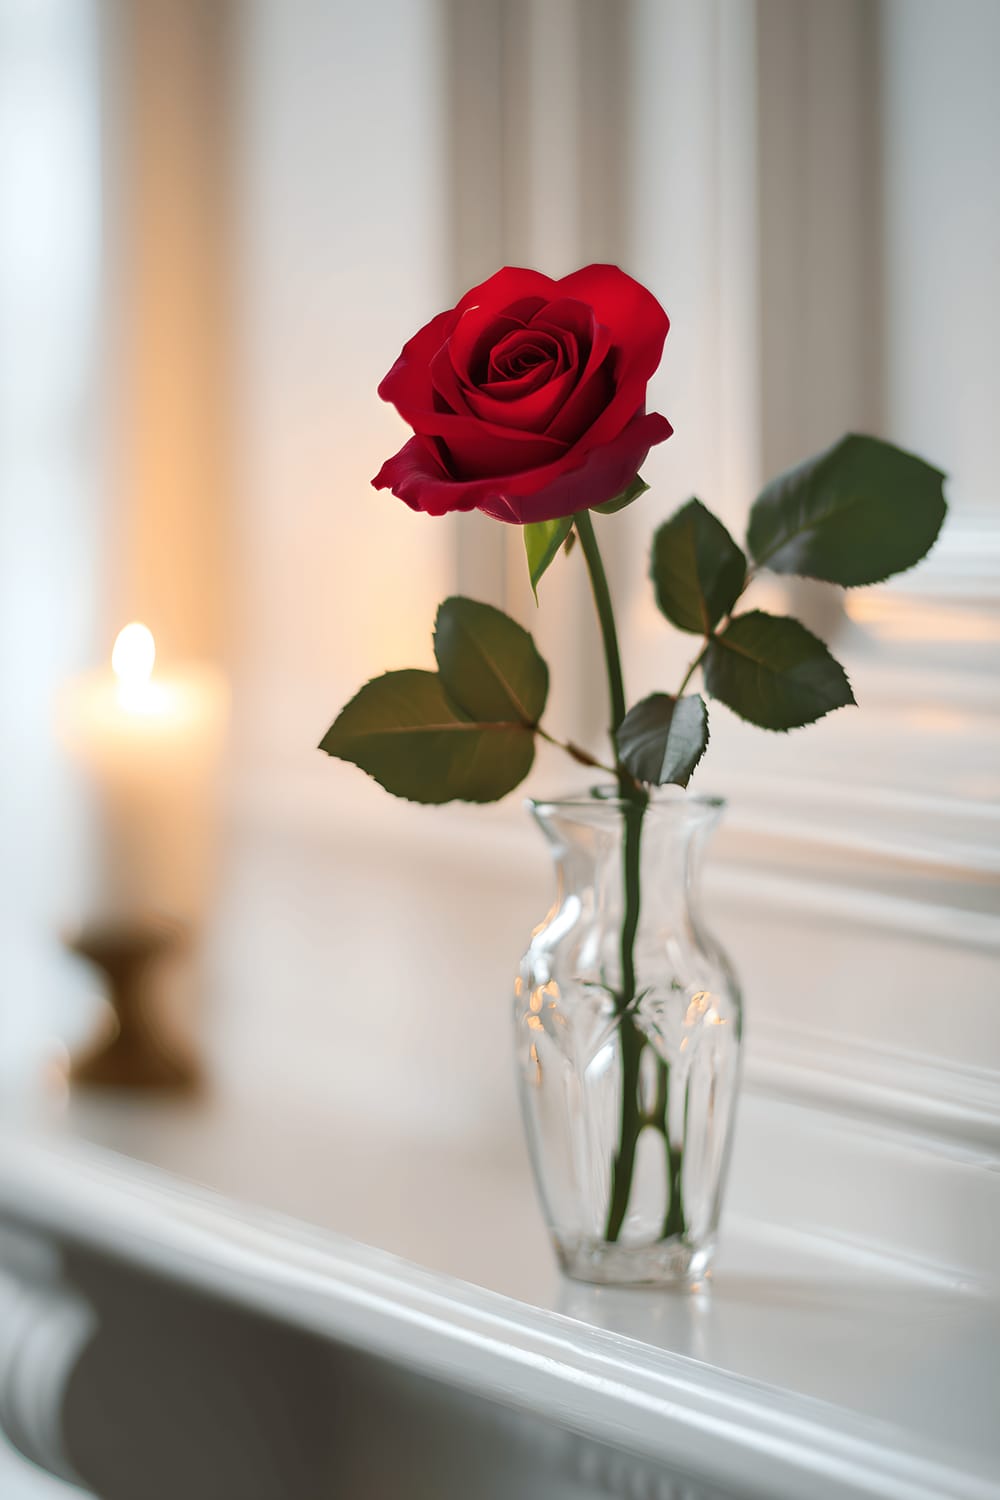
<point x="406" y="733"/>
<point x="489" y="666"/>
<point x="631" y="492"/>
<point x="697" y="569"/>
<point x="542" y="540"/>
<point x="853" y="515"/>
<point x="773" y="671"/>
<point x="662" y="739"/>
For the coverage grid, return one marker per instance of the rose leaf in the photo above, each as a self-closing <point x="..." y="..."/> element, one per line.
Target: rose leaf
<point x="662" y="739"/>
<point x="403" y="730"/>
<point x="855" y="514"/>
<point x="773" y="672"/>
<point x="489" y="665"/>
<point x="697" y="569"/>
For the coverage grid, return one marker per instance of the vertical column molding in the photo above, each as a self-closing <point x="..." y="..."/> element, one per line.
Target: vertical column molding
<point x="475" y="33"/>
<point x="166" y="88"/>
<point x="819" y="154"/>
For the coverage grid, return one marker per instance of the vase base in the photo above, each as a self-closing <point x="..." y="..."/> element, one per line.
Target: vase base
<point x="665" y="1263"/>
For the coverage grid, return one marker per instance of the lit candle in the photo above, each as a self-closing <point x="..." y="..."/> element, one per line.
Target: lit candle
<point x="149" y="747"/>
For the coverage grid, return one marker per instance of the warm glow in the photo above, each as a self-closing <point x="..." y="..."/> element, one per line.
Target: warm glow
<point x="133" y="655"/>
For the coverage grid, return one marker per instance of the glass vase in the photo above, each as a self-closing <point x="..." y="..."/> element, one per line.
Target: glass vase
<point x="628" y="1033"/>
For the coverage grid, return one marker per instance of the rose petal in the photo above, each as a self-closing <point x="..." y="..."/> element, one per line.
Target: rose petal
<point x="478" y="449"/>
<point x="524" y="309"/>
<point x="637" y="327"/>
<point x="566" y="315"/>
<point x="509" y="286"/>
<point x="637" y="323"/>
<point x="417" y="475"/>
<point x="456" y="395"/>
<point x="569" y="326"/>
<point x="521" y="351"/>
<point x="407" y="384"/>
<point x="603" y="474"/>
<point x="569" y="358"/>
<point x="594" y="389"/>
<point x="531" y="411"/>
<point x="446" y="384"/>
<point x="595" y="439"/>
<point x="512" y="390"/>
<point x="474" y="338"/>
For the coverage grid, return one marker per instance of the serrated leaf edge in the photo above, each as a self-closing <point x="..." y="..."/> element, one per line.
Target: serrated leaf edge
<point x="869" y="582"/>
<point x="769" y="729"/>
<point x="708" y="735"/>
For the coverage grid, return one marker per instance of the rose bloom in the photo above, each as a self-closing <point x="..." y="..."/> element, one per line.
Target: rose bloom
<point x="528" y="399"/>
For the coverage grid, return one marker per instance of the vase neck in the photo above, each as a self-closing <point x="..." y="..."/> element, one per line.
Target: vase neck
<point x="587" y="839"/>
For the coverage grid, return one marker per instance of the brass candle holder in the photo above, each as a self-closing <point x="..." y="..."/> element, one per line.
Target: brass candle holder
<point x="137" y="1051"/>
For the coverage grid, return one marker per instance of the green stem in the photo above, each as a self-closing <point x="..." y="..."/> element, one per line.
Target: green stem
<point x="692" y="669"/>
<point x="631" y="1040"/>
<point x="673" y="1219"/>
<point x="632" y="1043"/>
<point x="606" y="618"/>
<point x="632" y="813"/>
<point x="634" y="801"/>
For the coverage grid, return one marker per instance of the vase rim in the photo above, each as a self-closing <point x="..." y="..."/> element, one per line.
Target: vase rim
<point x="662" y="800"/>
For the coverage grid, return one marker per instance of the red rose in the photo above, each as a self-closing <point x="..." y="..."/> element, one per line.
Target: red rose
<point x="528" y="399"/>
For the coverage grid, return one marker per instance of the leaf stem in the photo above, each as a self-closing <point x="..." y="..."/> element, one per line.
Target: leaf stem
<point x="581" y="756"/>
<point x="693" y="667"/>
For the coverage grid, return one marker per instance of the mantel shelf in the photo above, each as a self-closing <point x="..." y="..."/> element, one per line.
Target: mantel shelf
<point x="805" y="1371"/>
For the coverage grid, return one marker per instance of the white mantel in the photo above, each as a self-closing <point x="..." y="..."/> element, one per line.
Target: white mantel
<point x="810" y="1368"/>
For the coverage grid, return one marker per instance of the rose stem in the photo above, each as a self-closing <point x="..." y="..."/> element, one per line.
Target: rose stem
<point x="606" y="619"/>
<point x="634" y="800"/>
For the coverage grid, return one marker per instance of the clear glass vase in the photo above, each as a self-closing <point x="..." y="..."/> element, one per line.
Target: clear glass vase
<point x="628" y="1030"/>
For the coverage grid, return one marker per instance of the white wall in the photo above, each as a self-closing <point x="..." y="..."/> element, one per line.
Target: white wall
<point x="365" y="948"/>
<point x="49" y="490"/>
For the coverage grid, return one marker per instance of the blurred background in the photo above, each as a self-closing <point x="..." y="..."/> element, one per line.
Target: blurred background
<point x="218" y="223"/>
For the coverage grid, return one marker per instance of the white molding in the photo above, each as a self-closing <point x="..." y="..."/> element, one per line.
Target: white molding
<point x="925" y="921"/>
<point x="964" y="565"/>
<point x="790" y="826"/>
<point x="848" y="859"/>
<point x="913" y="830"/>
<point x="943" y="1105"/>
<point x="44" y="1327"/>
<point x="693" y="1417"/>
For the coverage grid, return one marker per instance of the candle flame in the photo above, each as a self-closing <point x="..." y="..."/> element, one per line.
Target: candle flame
<point x="133" y="655"/>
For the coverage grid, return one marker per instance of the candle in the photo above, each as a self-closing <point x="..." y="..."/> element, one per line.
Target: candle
<point x="148" y="747"/>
